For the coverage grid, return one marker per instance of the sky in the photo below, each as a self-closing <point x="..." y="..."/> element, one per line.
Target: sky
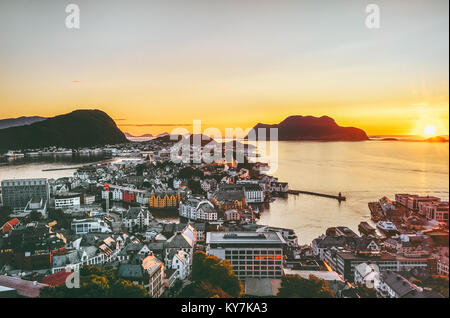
<point x="156" y="65"/>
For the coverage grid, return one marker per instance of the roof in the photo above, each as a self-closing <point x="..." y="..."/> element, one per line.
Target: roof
<point x="262" y="287"/>
<point x="400" y="285"/>
<point x="326" y="275"/>
<point x="56" y="279"/>
<point x="244" y="238"/>
<point x="179" y="240"/>
<point x="130" y="272"/>
<point x="151" y="264"/>
<point x="24" y="288"/>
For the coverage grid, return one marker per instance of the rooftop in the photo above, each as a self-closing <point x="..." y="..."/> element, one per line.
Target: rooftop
<point x="244" y="238"/>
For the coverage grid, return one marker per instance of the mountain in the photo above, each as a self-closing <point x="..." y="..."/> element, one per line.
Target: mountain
<point x="20" y="121"/>
<point x="128" y="135"/>
<point x="436" y="139"/>
<point x="313" y="128"/>
<point x="203" y="139"/>
<point x="80" y="128"/>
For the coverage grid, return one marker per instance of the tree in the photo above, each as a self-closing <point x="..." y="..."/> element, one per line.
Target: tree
<point x="295" y="286"/>
<point x="437" y="283"/>
<point x="4" y="214"/>
<point x="365" y="292"/>
<point x="96" y="282"/>
<point x="215" y="274"/>
<point x="35" y="216"/>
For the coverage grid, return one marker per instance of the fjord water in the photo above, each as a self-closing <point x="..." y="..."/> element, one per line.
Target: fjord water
<point x="362" y="171"/>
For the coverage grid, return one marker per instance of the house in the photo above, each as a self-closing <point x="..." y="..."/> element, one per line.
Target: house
<point x="155" y="271"/>
<point x="136" y="218"/>
<point x="179" y="241"/>
<point x="232" y="215"/>
<point x="182" y="263"/>
<point x="394" y="285"/>
<point x="198" y="209"/>
<point x="366" y="274"/>
<point x="165" y="200"/>
<point x="76" y="259"/>
<point x="85" y="226"/>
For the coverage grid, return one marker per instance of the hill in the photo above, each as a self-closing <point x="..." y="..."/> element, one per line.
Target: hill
<point x="80" y="128"/>
<point x="313" y="128"/>
<point x="20" y="121"/>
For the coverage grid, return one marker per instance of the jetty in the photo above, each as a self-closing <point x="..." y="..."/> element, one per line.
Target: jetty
<point x="57" y="169"/>
<point x="338" y="197"/>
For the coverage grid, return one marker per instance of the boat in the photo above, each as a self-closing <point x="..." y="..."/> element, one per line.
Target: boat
<point x="14" y="154"/>
<point x="387" y="227"/>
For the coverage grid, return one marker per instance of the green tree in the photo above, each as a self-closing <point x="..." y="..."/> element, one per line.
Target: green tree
<point x="216" y="274"/>
<point x="4" y="214"/>
<point x="96" y="282"/>
<point x="295" y="286"/>
<point x="365" y="292"/>
<point x="35" y="216"/>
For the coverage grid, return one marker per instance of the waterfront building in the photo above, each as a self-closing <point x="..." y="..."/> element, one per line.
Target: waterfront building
<point x="435" y="210"/>
<point x="412" y="201"/>
<point x="165" y="200"/>
<point x="344" y="261"/>
<point x="252" y="255"/>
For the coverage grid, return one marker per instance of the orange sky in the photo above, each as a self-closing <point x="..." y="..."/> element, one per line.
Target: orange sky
<point x="230" y="64"/>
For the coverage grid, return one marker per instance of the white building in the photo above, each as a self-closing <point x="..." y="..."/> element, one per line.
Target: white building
<point x="366" y="274"/>
<point x="67" y="201"/>
<point x="198" y="209"/>
<point x="181" y="262"/>
<point x="136" y="217"/>
<point x="89" y="225"/>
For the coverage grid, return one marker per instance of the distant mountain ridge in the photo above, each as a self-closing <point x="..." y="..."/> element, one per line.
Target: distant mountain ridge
<point x="141" y="136"/>
<point x="20" y="121"/>
<point x="312" y="128"/>
<point x="79" y="128"/>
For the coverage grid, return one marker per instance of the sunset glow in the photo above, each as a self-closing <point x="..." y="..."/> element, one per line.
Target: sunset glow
<point x="430" y="130"/>
<point x="154" y="65"/>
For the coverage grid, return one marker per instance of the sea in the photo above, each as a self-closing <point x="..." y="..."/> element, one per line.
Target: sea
<point x="362" y="171"/>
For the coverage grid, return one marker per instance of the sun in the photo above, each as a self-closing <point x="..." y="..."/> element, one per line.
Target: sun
<point x="430" y="130"/>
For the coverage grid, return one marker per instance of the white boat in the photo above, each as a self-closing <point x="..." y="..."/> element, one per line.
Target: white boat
<point x="387" y="227"/>
<point x="14" y="154"/>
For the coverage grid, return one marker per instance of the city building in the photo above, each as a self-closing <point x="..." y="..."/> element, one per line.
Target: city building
<point x="67" y="200"/>
<point x="165" y="200"/>
<point x="252" y="255"/>
<point x="198" y="209"/>
<point x="17" y="193"/>
<point x="89" y="225"/>
<point x="136" y="218"/>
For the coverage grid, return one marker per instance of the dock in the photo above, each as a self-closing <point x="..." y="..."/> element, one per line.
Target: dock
<point x="57" y="169"/>
<point x="339" y="197"/>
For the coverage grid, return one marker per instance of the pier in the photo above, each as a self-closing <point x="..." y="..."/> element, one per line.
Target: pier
<point x="339" y="197"/>
<point x="57" y="169"/>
